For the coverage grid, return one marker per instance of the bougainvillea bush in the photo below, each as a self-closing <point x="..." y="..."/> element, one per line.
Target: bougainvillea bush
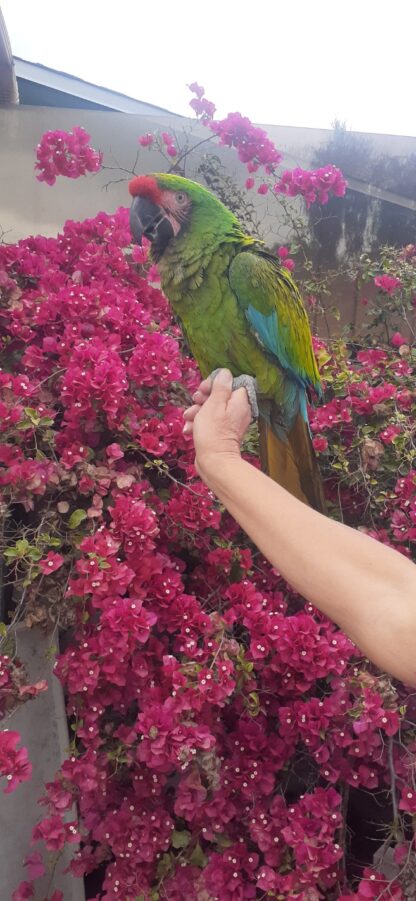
<point x="220" y="726"/>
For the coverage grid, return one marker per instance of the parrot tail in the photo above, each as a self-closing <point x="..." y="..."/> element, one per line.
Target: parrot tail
<point x="292" y="462"/>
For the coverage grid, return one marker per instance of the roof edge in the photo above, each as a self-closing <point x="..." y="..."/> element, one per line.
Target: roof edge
<point x="79" y="87"/>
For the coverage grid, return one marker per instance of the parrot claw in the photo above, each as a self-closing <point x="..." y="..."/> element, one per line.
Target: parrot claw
<point x="250" y="384"/>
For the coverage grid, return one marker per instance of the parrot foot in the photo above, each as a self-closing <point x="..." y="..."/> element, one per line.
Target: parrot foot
<point x="250" y="384"/>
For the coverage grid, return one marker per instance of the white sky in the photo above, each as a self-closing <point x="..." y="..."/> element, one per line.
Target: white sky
<point x="298" y="62"/>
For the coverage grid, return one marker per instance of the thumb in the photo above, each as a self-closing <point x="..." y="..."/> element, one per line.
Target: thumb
<point x="222" y="384"/>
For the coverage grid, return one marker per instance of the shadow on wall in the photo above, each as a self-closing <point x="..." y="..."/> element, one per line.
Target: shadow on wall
<point x="358" y="223"/>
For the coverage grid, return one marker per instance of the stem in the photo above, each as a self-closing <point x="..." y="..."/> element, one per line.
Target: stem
<point x="343" y="832"/>
<point x="357" y="292"/>
<point x="392" y="771"/>
<point x="183" y="155"/>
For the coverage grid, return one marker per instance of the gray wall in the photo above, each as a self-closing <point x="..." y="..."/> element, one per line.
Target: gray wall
<point x="31" y="207"/>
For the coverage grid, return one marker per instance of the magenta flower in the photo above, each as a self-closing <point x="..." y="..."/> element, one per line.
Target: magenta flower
<point x="55" y="833"/>
<point x="320" y="444"/>
<point x="23" y="892"/>
<point x="35" y="865"/>
<point x="114" y="452"/>
<point x="51" y="563"/>
<point x="286" y="261"/>
<point x="14" y="764"/>
<point x="252" y="144"/>
<point x="387" y="283"/>
<point x="146" y="140"/>
<point x="408" y="800"/>
<point x="66" y="153"/>
<point x="389" y="433"/>
<point x="314" y="185"/>
<point x="397" y="339"/>
<point x="201" y="106"/>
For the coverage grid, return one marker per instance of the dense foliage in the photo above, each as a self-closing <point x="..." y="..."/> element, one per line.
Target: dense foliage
<point x="219" y="723"/>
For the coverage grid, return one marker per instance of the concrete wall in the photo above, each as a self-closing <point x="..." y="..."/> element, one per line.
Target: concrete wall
<point x="31" y="207"/>
<point x="44" y="732"/>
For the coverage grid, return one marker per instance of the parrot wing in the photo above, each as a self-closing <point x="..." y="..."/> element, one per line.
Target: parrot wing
<point x="274" y="309"/>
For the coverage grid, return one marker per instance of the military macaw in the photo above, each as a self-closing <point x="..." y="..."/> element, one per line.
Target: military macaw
<point x="238" y="309"/>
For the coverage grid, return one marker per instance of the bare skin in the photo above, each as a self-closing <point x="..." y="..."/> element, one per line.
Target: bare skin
<point x="368" y="589"/>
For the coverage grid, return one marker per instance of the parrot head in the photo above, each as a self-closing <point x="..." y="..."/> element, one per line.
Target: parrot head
<point x="166" y="208"/>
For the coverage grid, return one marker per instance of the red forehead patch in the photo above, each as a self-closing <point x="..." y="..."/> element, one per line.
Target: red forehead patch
<point x="145" y="186"/>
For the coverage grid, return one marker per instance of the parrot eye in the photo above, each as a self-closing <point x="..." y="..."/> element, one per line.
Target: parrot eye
<point x="181" y="197"/>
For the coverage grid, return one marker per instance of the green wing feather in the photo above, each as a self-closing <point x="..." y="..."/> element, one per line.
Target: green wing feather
<point x="274" y="309"/>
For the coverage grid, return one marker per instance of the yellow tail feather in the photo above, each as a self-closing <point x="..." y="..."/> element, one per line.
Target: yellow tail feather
<point x="292" y="463"/>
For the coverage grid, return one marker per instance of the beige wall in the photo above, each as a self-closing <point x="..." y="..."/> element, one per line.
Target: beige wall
<point x="30" y="207"/>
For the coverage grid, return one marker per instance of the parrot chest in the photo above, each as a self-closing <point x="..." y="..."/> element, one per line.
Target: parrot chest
<point x="213" y="322"/>
<point x="217" y="331"/>
<point x="210" y="328"/>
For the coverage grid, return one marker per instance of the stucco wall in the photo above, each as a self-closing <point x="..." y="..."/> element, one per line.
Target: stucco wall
<point x="28" y="206"/>
<point x="31" y="207"/>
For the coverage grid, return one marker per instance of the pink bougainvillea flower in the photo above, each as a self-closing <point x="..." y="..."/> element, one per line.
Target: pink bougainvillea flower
<point x="398" y="339"/>
<point x="146" y="140"/>
<point x="14" y="763"/>
<point x="35" y="865"/>
<point x="66" y="153"/>
<point x="24" y="891"/>
<point x="314" y="185"/>
<point x="408" y="800"/>
<point x="320" y="443"/>
<point x="51" y="563"/>
<point x="387" y="283"/>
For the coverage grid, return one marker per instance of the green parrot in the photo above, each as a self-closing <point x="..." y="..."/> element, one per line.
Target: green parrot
<point x="238" y="309"/>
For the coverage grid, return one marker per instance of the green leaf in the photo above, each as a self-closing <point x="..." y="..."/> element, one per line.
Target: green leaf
<point x="198" y="858"/>
<point x="22" y="547"/>
<point x="10" y="552"/>
<point x="33" y="574"/>
<point x="33" y="415"/>
<point x="76" y="518"/>
<point x="34" y="554"/>
<point x="180" y="839"/>
<point x="223" y="841"/>
<point x="3" y="630"/>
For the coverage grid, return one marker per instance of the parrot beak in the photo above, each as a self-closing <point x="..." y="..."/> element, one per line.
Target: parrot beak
<point x="149" y="220"/>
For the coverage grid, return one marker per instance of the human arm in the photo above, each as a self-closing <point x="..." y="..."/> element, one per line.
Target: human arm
<point x="367" y="588"/>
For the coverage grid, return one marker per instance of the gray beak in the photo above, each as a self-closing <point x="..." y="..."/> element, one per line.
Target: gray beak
<point x="148" y="219"/>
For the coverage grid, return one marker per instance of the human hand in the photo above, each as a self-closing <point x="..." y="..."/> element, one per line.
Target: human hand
<point x="218" y="421"/>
